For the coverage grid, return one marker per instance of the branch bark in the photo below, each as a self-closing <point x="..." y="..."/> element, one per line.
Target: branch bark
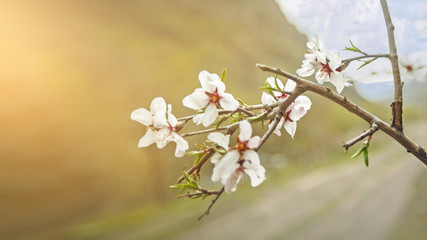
<point x="362" y="136"/>
<point x="393" y="132"/>
<point x="396" y="106"/>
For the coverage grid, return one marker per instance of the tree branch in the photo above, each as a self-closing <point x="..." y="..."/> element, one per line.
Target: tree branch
<point x="205" y="213"/>
<point x="348" y="60"/>
<point x="393" y="132"/>
<point x="396" y="106"/>
<point x="362" y="136"/>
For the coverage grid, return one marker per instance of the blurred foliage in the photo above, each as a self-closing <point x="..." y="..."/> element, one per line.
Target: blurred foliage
<point x="73" y="71"/>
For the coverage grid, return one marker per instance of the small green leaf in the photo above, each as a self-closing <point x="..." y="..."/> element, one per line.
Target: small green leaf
<point x="366" y="63"/>
<point x="364" y="146"/>
<point x="365" y="156"/>
<point x="276" y="83"/>
<point x="241" y="102"/>
<point x="353" y="48"/>
<point x="192" y="153"/>
<point x="223" y="75"/>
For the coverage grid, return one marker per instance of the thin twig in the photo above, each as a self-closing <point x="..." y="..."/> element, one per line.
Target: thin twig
<point x="201" y="192"/>
<point x="208" y="130"/>
<point x="366" y="56"/>
<point x="249" y="113"/>
<point x="397" y="135"/>
<point x="198" y="165"/>
<point x="362" y="136"/>
<point x="269" y="132"/>
<point x="205" y="213"/>
<point x="396" y="106"/>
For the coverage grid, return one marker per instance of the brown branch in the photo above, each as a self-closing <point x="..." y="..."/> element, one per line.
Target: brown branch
<point x="366" y="56"/>
<point x="393" y="132"/>
<point x="282" y="107"/>
<point x="202" y="192"/>
<point x="362" y="136"/>
<point x="199" y="165"/>
<point x="205" y="213"/>
<point x="396" y="105"/>
<point x="208" y="155"/>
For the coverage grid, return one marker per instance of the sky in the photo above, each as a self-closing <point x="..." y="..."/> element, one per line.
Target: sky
<point x="362" y="21"/>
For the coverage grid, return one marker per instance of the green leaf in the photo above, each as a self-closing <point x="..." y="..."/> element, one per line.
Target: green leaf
<point x="223" y="75"/>
<point x="192" y="153"/>
<point x="364" y="146"/>
<point x="365" y="156"/>
<point x="363" y="149"/>
<point x="241" y="102"/>
<point x="353" y="48"/>
<point x="366" y="63"/>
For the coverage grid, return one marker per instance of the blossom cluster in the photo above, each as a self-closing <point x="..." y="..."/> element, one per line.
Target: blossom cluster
<point x="234" y="162"/>
<point x="210" y="101"/>
<point x="327" y="65"/>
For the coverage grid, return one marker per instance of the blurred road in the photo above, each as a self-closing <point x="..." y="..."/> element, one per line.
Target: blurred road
<point x="342" y="202"/>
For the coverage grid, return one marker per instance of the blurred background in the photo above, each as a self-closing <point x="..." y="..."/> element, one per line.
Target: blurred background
<point x="71" y="72"/>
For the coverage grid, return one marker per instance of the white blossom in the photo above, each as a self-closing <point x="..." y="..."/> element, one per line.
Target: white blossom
<point x="412" y="70"/>
<point x="209" y="98"/>
<point x="294" y="112"/>
<point x="238" y="160"/>
<point x="327" y="65"/>
<point x="161" y="125"/>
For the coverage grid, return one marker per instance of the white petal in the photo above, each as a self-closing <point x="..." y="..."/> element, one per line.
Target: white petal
<point x="277" y="130"/>
<point x="228" y="102"/>
<point x="211" y="82"/>
<point x="198" y="119"/>
<point x="143" y="116"/>
<point x="230" y="183"/>
<point x="321" y="57"/>
<point x="181" y="145"/>
<point x="339" y="81"/>
<point x="251" y="156"/>
<point x="159" y="120"/>
<point x="148" y="139"/>
<point x="255" y="171"/>
<point x="226" y="166"/>
<point x="211" y="112"/>
<point x="267" y="98"/>
<point x="321" y="77"/>
<point x="303" y="101"/>
<point x="272" y="81"/>
<point x="158" y="105"/>
<point x="215" y="158"/>
<point x="254" y="142"/>
<point x="163" y="137"/>
<point x="291" y="128"/>
<point x="197" y="100"/>
<point x="171" y="118"/>
<point x="220" y="139"/>
<point x="245" y="130"/>
<point x="297" y="113"/>
<point x="290" y="85"/>
<point x="305" y="72"/>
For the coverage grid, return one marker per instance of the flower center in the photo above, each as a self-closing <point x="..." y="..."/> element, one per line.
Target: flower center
<point x="287" y="117"/>
<point x="326" y="69"/>
<point x="409" y="68"/>
<point x="241" y="145"/>
<point x="213" y="97"/>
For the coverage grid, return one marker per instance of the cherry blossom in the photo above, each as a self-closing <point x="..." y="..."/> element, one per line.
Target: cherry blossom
<point x="209" y="98"/>
<point x="294" y="112"/>
<point x="327" y="64"/>
<point x="240" y="159"/>
<point x="161" y="126"/>
<point x="412" y="69"/>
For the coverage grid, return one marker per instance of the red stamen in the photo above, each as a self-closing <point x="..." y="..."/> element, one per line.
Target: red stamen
<point x="287" y="117"/>
<point x="214" y="97"/>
